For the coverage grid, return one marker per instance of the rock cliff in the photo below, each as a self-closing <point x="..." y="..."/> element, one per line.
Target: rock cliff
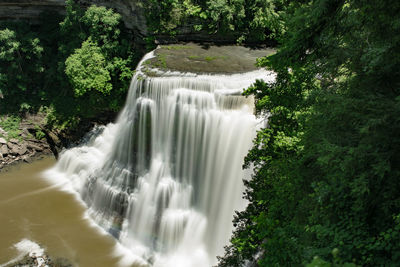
<point x="28" y="9"/>
<point x="132" y="11"/>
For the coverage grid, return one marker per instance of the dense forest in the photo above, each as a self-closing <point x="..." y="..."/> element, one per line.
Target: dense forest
<point x="74" y="67"/>
<point x="326" y="179"/>
<point x="325" y="188"/>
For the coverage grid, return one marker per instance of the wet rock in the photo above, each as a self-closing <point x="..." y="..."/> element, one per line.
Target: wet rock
<point x="27" y="159"/>
<point x="54" y="137"/>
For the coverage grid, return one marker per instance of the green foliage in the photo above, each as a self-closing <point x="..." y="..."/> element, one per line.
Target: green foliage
<point x="337" y="262"/>
<point x="39" y="134"/>
<point x="10" y="124"/>
<point x="87" y="70"/>
<point x="100" y="64"/>
<point x="327" y="165"/>
<point x="20" y="63"/>
<point x="247" y="20"/>
<point x="253" y="19"/>
<point x="79" y="65"/>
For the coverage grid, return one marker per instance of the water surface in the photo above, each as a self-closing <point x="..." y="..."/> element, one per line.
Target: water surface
<point x="32" y="208"/>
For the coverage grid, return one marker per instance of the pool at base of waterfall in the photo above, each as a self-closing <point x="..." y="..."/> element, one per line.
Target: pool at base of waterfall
<point x="38" y="220"/>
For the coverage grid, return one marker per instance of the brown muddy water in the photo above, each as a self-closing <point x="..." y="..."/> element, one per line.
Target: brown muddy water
<point x="32" y="208"/>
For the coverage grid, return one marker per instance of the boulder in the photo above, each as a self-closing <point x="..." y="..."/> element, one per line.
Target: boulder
<point x="4" y="150"/>
<point x="22" y="150"/>
<point x="27" y="159"/>
<point x="17" y="150"/>
<point x="2" y="141"/>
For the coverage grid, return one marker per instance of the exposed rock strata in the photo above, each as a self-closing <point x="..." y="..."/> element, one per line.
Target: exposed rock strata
<point x="22" y="150"/>
<point x="132" y="11"/>
<point x="29" y="9"/>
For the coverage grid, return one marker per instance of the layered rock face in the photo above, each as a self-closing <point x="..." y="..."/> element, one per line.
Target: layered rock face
<point x="29" y="9"/>
<point x="131" y="10"/>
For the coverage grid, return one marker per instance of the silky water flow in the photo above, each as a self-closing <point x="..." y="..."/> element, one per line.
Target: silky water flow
<point x="166" y="178"/>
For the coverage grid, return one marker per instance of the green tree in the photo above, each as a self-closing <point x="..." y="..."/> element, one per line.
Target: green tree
<point x="245" y="20"/>
<point x="87" y="70"/>
<point x="20" y="65"/>
<point x="98" y="62"/>
<point x="327" y="165"/>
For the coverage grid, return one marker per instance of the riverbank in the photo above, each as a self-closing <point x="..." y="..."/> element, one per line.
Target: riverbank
<point x="25" y="138"/>
<point x="22" y="139"/>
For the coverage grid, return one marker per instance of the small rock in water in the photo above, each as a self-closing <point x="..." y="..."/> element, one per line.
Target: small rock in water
<point x="27" y="159"/>
<point x="34" y="254"/>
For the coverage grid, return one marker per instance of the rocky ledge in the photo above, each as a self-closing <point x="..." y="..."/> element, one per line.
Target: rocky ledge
<point x="27" y="145"/>
<point x="205" y="59"/>
<point x="15" y="150"/>
<point x="36" y="140"/>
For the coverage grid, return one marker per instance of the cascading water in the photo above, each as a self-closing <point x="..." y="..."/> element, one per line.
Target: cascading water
<point x="166" y="178"/>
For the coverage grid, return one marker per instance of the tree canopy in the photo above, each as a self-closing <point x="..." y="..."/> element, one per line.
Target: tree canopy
<point x="327" y="166"/>
<point x="78" y="66"/>
<point x="245" y="20"/>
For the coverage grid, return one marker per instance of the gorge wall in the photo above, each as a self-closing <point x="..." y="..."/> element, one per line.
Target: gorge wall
<point x="30" y="10"/>
<point x="132" y="12"/>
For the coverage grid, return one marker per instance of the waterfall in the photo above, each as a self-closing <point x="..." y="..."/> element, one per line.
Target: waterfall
<point x="166" y="178"/>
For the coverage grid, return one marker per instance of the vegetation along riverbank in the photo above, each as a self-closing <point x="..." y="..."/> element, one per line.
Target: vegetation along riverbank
<point x="326" y="185"/>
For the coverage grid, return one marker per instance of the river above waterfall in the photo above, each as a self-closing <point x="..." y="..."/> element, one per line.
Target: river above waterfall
<point x="34" y="209"/>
